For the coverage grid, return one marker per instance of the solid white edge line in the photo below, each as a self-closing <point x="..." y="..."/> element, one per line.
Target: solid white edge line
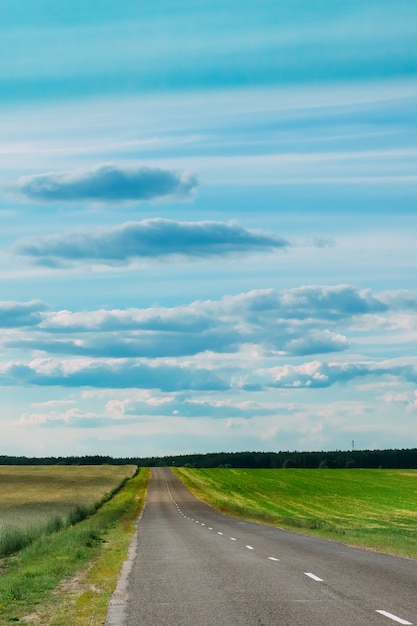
<point x="395" y="618"/>
<point x="314" y="577"/>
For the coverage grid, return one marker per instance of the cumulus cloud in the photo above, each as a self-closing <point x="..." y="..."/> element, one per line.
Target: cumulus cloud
<point x="118" y="412"/>
<point x="317" y="374"/>
<point x="313" y="301"/>
<point x="151" y="238"/>
<point x="186" y="318"/>
<point x="107" y="183"/>
<point x="400" y="300"/>
<point x="252" y="309"/>
<point x="71" y="417"/>
<point x="299" y="322"/>
<point x="124" y="345"/>
<point x="19" y="314"/>
<point x="111" y="374"/>
<point x="317" y="342"/>
<point x="192" y="408"/>
<point x="264" y="323"/>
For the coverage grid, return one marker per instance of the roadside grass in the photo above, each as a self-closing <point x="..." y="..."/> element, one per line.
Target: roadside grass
<point x="68" y="577"/>
<point x="374" y="509"/>
<point x="35" y="501"/>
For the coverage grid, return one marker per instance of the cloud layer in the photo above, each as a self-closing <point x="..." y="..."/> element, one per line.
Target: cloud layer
<point x="275" y="326"/>
<point x="21" y="314"/>
<point x="151" y="238"/>
<point x="257" y="365"/>
<point x="316" y="374"/>
<point x="110" y="374"/>
<point x="107" y="183"/>
<point x="297" y="322"/>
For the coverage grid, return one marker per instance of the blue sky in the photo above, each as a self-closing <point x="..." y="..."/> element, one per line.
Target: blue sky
<point x="208" y="226"/>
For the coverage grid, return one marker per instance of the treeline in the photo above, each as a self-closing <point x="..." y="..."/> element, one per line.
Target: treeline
<point x="61" y="460"/>
<point x="389" y="459"/>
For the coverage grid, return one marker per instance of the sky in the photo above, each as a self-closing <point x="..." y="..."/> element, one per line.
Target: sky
<point x="208" y="226"/>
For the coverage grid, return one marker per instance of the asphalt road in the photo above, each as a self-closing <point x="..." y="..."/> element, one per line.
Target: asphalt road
<point x="192" y="566"/>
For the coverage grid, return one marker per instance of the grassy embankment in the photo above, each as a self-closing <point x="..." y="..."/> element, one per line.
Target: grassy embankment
<point x="376" y="509"/>
<point x="67" y="576"/>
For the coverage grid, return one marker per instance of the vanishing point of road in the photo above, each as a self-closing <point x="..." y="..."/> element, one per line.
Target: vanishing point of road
<point x="192" y="566"/>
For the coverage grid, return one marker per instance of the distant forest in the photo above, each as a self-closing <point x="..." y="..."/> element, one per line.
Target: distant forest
<point x="387" y="459"/>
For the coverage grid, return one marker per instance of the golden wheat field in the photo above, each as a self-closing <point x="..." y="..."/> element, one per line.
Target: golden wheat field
<point x="32" y="496"/>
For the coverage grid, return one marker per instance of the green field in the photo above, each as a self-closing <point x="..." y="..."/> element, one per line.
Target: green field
<point x="370" y="508"/>
<point x="34" y="499"/>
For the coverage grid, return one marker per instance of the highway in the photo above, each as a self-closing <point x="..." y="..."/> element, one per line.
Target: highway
<point x="193" y="566"/>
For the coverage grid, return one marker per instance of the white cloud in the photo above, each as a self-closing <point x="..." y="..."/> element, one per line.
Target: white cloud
<point x="109" y="373"/>
<point x="310" y="320"/>
<point x="317" y="374"/>
<point x="106" y="183"/>
<point x="153" y="238"/>
<point x="70" y="417"/>
<point x="21" y="314"/>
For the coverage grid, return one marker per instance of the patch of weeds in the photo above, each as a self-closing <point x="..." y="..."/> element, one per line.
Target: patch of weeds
<point x="55" y="524"/>
<point x="78" y="514"/>
<point x="14" y="539"/>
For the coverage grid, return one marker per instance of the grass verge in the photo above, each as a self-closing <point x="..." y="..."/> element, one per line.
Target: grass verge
<point x="374" y="509"/>
<point x="69" y="576"/>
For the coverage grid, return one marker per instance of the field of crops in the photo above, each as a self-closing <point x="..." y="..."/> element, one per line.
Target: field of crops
<point x="38" y="498"/>
<point x="372" y="508"/>
<point x="67" y="577"/>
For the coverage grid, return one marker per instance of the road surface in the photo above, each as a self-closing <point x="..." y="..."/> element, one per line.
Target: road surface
<point x="192" y="566"/>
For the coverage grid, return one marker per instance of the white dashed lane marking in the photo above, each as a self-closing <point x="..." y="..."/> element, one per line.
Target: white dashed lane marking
<point x="395" y="618"/>
<point x="390" y="616"/>
<point x="313" y="577"/>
